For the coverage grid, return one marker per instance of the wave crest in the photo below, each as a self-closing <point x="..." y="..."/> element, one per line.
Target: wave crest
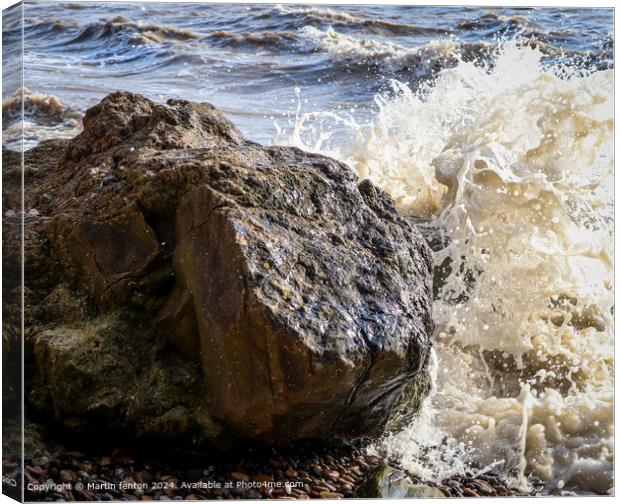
<point x="39" y="108"/>
<point x="135" y="32"/>
<point x="425" y="60"/>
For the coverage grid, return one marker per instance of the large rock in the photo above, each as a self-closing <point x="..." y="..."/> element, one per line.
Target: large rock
<point x="299" y="294"/>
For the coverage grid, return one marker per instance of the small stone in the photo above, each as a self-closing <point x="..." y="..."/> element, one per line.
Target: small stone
<point x="484" y="486"/>
<point x="124" y="460"/>
<point x="67" y="475"/>
<point x="320" y="488"/>
<point x="330" y="495"/>
<point x="253" y="494"/>
<point x="144" y="477"/>
<point x="356" y="471"/>
<point x="239" y="476"/>
<point x="467" y="492"/>
<point x="362" y="463"/>
<point x="328" y="485"/>
<point x="35" y="470"/>
<point x="264" y="478"/>
<point x="85" y="495"/>
<point x="445" y="490"/>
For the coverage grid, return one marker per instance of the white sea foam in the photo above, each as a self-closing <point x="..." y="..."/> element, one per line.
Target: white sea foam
<point x="44" y="117"/>
<point x="513" y="163"/>
<point x="392" y="57"/>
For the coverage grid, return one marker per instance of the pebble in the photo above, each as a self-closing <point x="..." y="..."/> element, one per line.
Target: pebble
<point x="329" y="486"/>
<point x="239" y="476"/>
<point x="253" y="494"/>
<point x="346" y="488"/>
<point x="330" y="495"/>
<point x="36" y="470"/>
<point x="481" y="487"/>
<point x="469" y="493"/>
<point x="333" y="474"/>
<point x="85" y="495"/>
<point x="320" y="488"/>
<point x="66" y="475"/>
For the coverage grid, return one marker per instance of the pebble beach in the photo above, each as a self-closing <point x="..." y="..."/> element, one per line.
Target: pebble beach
<point x="333" y="473"/>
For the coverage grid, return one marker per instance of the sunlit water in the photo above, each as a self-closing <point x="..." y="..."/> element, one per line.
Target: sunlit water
<point x="494" y="126"/>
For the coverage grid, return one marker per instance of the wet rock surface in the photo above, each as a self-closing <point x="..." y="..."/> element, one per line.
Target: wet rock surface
<point x="187" y="282"/>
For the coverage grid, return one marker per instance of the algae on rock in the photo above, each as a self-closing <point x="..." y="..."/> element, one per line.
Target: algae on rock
<point x="385" y="482"/>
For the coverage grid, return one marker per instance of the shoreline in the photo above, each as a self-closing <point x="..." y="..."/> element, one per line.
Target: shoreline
<point x="336" y="472"/>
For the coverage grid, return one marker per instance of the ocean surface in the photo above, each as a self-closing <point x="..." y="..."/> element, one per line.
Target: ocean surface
<point x="250" y="59"/>
<point x="494" y="127"/>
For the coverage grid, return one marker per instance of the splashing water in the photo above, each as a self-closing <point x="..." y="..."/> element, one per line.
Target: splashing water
<point x="511" y="163"/>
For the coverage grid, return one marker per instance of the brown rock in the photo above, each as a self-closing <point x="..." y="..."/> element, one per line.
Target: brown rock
<point x="301" y="293"/>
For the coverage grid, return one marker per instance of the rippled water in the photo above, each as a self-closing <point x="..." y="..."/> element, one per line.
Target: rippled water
<point x="495" y="126"/>
<point x="247" y="59"/>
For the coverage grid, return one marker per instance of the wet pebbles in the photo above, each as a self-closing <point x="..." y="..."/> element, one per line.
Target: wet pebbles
<point x="309" y="475"/>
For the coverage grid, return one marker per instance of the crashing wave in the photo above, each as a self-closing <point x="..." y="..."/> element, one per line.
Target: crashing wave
<point x="512" y="162"/>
